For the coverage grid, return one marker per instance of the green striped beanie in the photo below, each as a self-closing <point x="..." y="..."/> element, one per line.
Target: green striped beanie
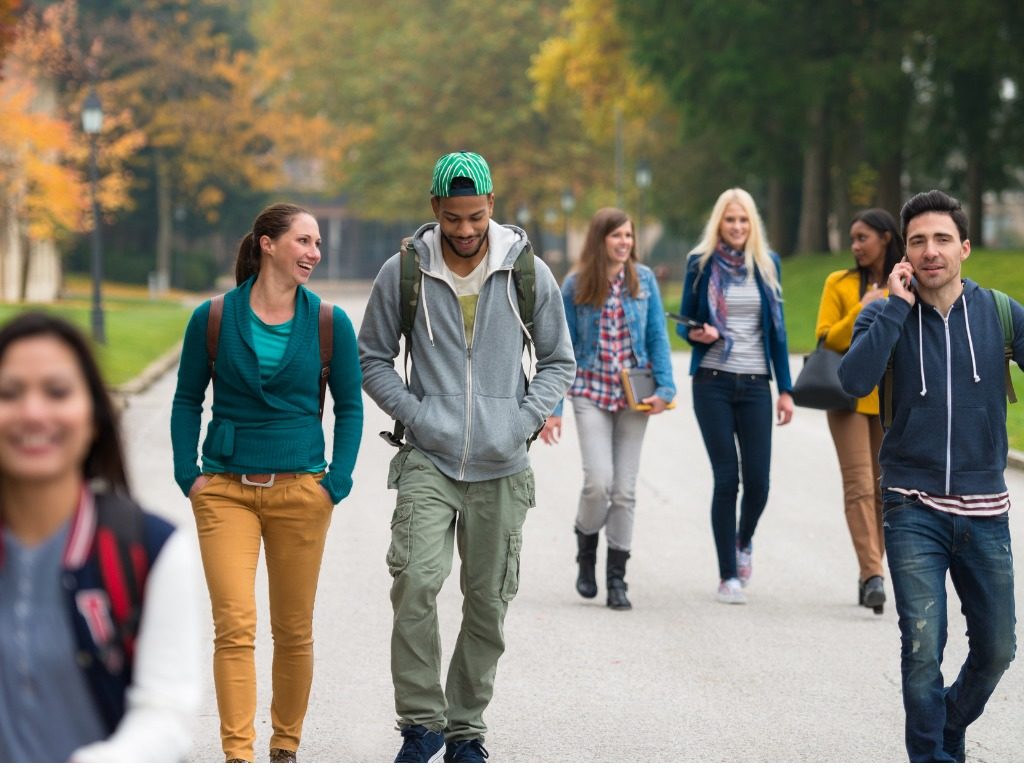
<point x="461" y="165"/>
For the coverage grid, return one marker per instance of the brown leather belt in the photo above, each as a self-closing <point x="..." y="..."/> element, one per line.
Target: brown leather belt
<point x="265" y="480"/>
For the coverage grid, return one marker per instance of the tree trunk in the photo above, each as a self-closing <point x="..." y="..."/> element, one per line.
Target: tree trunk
<point x="783" y="200"/>
<point x="975" y="194"/>
<point x="812" y="235"/>
<point x="890" y="186"/>
<point x="164" y="223"/>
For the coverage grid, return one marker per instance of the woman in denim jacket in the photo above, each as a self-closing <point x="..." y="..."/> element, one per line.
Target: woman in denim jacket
<point x="734" y="287"/>
<point x="616" y="321"/>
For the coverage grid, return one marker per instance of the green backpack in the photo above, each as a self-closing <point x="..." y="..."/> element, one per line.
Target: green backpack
<point x="1005" y="320"/>
<point x="524" y="277"/>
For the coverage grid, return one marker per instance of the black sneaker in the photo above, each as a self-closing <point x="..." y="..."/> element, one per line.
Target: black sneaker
<point x="467" y="751"/>
<point x="421" y="745"/>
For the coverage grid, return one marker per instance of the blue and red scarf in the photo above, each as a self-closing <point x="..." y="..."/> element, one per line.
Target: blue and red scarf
<point x="729" y="267"/>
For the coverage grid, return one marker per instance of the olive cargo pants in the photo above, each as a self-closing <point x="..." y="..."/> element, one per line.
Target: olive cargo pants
<point x="486" y="519"/>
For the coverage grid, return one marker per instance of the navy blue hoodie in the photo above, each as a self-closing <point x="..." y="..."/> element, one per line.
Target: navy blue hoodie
<point x="948" y="433"/>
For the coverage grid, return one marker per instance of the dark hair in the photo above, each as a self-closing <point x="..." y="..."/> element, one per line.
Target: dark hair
<point x="273" y="221"/>
<point x="592" y="285"/>
<point x="881" y="221"/>
<point x="935" y="201"/>
<point x="105" y="459"/>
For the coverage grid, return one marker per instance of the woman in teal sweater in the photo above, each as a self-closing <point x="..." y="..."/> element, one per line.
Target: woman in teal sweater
<point x="263" y="476"/>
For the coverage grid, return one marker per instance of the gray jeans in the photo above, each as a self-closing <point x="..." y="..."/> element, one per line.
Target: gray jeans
<point x="610" y="445"/>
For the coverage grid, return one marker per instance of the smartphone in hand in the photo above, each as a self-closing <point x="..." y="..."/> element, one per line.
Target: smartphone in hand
<point x="689" y="322"/>
<point x="910" y="283"/>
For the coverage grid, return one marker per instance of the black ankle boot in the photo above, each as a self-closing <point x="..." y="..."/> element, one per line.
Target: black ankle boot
<point x="872" y="594"/>
<point x="616" y="571"/>
<point x="586" y="556"/>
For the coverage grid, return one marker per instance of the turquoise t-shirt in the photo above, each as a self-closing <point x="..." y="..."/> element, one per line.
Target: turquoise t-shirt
<point x="270" y="342"/>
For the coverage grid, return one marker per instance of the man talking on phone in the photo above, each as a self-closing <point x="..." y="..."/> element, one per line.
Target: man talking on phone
<point x="945" y="502"/>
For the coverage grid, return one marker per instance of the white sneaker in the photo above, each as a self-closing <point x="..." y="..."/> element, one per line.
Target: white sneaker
<point x="744" y="565"/>
<point x="730" y="591"/>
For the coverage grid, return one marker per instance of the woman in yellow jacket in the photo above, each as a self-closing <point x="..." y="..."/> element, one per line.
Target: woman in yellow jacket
<point x="877" y="245"/>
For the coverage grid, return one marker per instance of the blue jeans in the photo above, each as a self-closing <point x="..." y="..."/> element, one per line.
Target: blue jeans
<point x="922" y="544"/>
<point x="735" y="409"/>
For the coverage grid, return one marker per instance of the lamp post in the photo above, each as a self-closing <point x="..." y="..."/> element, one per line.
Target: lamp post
<point x="643" y="181"/>
<point x="92" y="123"/>
<point x="523" y="216"/>
<point x="568" y="204"/>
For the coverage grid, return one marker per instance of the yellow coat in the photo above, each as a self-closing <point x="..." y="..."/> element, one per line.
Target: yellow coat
<point x="840" y="305"/>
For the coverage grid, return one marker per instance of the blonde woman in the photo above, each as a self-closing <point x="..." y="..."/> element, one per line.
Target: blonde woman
<point x="733" y="288"/>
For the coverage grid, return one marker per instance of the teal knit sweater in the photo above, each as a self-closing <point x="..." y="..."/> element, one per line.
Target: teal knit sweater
<point x="271" y="427"/>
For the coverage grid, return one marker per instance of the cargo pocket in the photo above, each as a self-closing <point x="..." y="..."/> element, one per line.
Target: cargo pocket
<point x="510" y="586"/>
<point x="395" y="468"/>
<point x="401" y="538"/>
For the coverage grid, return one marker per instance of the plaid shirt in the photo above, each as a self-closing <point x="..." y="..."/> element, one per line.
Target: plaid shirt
<point x="603" y="384"/>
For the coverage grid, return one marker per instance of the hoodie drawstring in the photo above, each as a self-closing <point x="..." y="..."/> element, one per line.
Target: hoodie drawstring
<point x="970" y="341"/>
<point x="426" y="308"/>
<point x="920" y="348"/>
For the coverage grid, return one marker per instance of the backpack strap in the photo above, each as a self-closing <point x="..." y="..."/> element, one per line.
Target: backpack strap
<point x="408" y="301"/>
<point x="123" y="563"/>
<point x="1006" y="321"/>
<point x="524" y="275"/>
<point x="326" y="348"/>
<point x="213" y="333"/>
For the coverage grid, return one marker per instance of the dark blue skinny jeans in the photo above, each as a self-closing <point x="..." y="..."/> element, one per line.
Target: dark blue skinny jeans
<point x="922" y="545"/>
<point x="735" y="410"/>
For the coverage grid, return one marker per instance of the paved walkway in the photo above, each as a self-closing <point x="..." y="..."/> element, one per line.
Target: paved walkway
<point x="799" y="674"/>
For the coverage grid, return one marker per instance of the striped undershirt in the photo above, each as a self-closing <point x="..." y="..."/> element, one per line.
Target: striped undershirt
<point x="744" y="323"/>
<point x="971" y="505"/>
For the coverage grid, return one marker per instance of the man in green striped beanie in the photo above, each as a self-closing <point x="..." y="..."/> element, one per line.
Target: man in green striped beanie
<point x="463" y="474"/>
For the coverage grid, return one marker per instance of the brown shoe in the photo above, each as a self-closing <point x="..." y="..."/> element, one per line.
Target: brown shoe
<point x="282" y="755"/>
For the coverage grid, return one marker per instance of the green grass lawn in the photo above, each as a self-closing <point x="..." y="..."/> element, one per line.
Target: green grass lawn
<point x="804" y="276"/>
<point x="139" y="330"/>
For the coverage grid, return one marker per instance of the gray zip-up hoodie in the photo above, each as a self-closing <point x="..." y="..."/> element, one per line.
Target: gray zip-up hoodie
<point x="467" y="409"/>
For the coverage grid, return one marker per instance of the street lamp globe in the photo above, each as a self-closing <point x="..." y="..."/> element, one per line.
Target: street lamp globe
<point x="643" y="175"/>
<point x="568" y="201"/>
<point x="92" y="114"/>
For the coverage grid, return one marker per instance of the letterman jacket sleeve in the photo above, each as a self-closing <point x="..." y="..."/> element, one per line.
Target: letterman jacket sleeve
<point x="166" y="689"/>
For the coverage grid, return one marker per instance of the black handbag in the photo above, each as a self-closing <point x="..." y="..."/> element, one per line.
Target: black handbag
<point x="818" y="385"/>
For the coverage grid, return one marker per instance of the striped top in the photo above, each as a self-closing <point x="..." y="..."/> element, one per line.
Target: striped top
<point x="744" y="324"/>
<point x="971" y="505"/>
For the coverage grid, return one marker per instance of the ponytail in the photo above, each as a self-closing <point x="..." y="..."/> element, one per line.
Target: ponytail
<point x="247" y="263"/>
<point x="273" y="221"/>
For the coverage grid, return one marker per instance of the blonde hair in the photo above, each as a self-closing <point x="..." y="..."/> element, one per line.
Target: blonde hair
<point x="756" y="252"/>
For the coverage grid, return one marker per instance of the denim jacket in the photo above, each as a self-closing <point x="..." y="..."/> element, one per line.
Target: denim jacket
<point x="645" y="321"/>
<point x="695" y="305"/>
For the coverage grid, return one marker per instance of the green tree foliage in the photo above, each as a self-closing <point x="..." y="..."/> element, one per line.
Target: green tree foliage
<point x="826" y="107"/>
<point x="404" y="82"/>
<point x="177" y="79"/>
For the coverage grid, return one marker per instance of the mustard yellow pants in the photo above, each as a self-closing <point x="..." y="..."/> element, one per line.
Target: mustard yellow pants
<point x="291" y="518"/>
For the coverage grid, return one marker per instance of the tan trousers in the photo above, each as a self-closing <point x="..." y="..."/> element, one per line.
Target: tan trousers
<point x="291" y="518"/>
<point x="858" y="438"/>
